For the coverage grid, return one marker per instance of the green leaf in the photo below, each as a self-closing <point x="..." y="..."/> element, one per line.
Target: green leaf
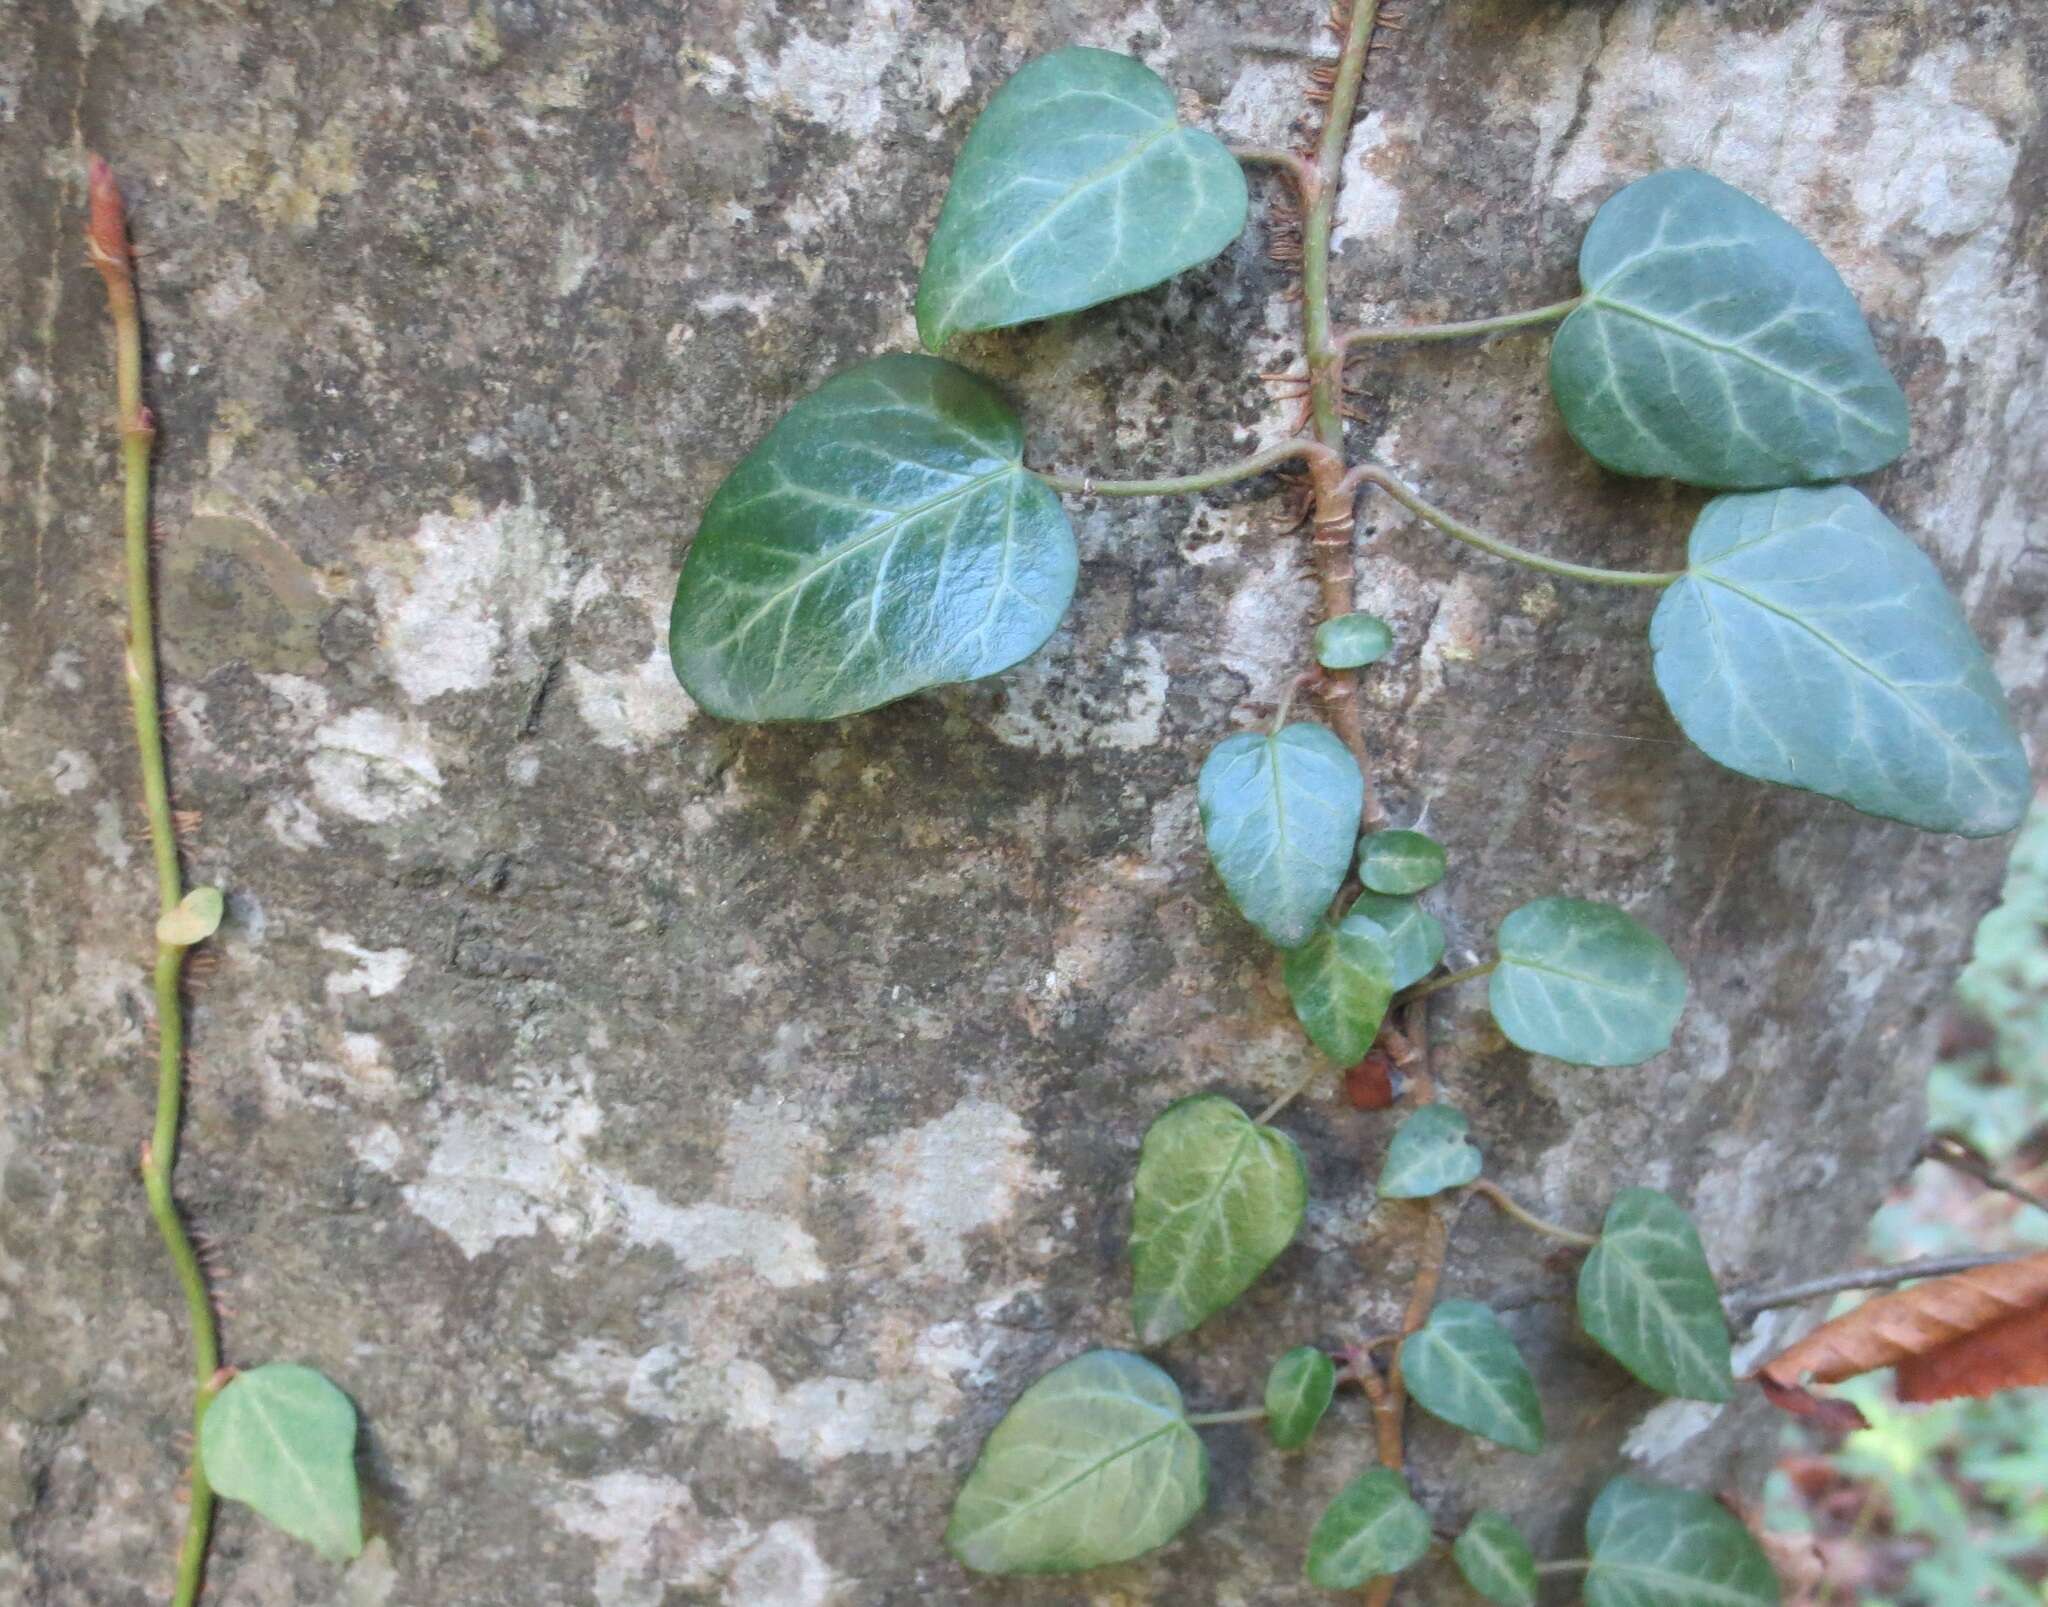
<point x="1810" y="643"/>
<point x="1373" y="1527"/>
<point x="1217" y="1198"/>
<point x="1430" y="1153"/>
<point x="1496" y="1561"/>
<point x="1649" y="1299"/>
<point x="1717" y="346"/>
<point x="1077" y="185"/>
<point x="1462" y="1366"/>
<point x="1341" y="981"/>
<point x="1414" y="937"/>
<point x="1280" y="814"/>
<point x="1400" y="861"/>
<point x="885" y="538"/>
<point x="194" y="919"/>
<point x="1654" y="1546"/>
<point x="1298" y="1392"/>
<point x="1585" y="983"/>
<point x="1351" y="641"/>
<point x="1094" y="1464"/>
<point x="283" y="1439"/>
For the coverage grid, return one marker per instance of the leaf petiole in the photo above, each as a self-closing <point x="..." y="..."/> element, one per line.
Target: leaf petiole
<point x="1423" y="990"/>
<point x="1508" y="1206"/>
<point x="1457" y="330"/>
<point x="1576" y="1565"/>
<point x="1247" y="468"/>
<point x="1244" y="1414"/>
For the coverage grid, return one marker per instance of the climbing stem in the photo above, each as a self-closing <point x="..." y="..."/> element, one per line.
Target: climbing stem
<point x="107" y="246"/>
<point x="1507" y="1205"/>
<point x="1246" y="468"/>
<point x="1455" y="331"/>
<point x="1471" y="973"/>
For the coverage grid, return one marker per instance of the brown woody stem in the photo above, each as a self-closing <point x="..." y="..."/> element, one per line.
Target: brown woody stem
<point x="1742" y="1304"/>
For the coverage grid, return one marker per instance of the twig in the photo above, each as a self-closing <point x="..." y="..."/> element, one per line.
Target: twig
<point x="1742" y="1304"/>
<point x="1952" y="1152"/>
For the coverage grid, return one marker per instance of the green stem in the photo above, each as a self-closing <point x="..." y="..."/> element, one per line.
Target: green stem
<point x="1423" y="990"/>
<point x="1429" y="513"/>
<point x="1246" y="1414"/>
<point x="1506" y="1204"/>
<point x="1576" y="1565"/>
<point x="1294" y="1093"/>
<point x="1289" y="162"/>
<point x="1459" y="329"/>
<point x="1085" y="485"/>
<point x="1325" y="356"/>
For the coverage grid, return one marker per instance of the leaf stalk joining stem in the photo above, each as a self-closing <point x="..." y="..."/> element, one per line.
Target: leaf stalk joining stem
<point x="1507" y="1205"/>
<point x="1389" y="333"/>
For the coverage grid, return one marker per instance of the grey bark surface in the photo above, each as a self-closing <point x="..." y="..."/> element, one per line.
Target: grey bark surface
<point x="684" y="1140"/>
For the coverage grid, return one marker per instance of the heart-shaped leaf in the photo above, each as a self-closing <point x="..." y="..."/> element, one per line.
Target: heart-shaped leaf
<point x="1298" y="1392"/>
<point x="1810" y="643"/>
<point x="1341" y="981"/>
<point x="1217" y="1197"/>
<point x="1717" y="346"/>
<point x="1585" y="983"/>
<point x="1351" y="641"/>
<point x="1430" y="1153"/>
<point x="1280" y="815"/>
<point x="1654" y="1546"/>
<point x="282" y="1439"/>
<point x="1400" y="861"/>
<point x="885" y="537"/>
<point x="1462" y="1366"/>
<point x="1094" y="1464"/>
<point x="1373" y="1527"/>
<point x="193" y="919"/>
<point x="1414" y="937"/>
<point x="1077" y="185"/>
<point x="1649" y="1299"/>
<point x="1496" y="1561"/>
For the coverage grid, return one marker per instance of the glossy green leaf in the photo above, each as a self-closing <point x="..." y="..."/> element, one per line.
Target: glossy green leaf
<point x="1077" y="185"/>
<point x="1217" y="1197"/>
<point x="1400" y="861"/>
<point x="1810" y="643"/>
<point x="1094" y="1464"/>
<point x="282" y="1439"/>
<point x="1654" y="1546"/>
<point x="1496" y="1561"/>
<point x="1585" y="983"/>
<point x="1430" y="1153"/>
<point x="1298" y="1391"/>
<point x="1351" y="641"/>
<point x="885" y="537"/>
<point x="1373" y="1527"/>
<point x="1280" y="815"/>
<point x="1649" y="1299"/>
<point x="1414" y="937"/>
<point x="1462" y="1366"/>
<point x="1341" y="981"/>
<point x="1717" y="346"/>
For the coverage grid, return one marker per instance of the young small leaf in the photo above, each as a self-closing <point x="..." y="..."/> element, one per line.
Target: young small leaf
<point x="884" y="538"/>
<point x="1811" y="644"/>
<point x="282" y="1439"/>
<point x="194" y="919"/>
<point x="1373" y="1527"/>
<point x="1217" y="1197"/>
<point x="1077" y="185"/>
<point x="1279" y="814"/>
<point x="1585" y="983"/>
<point x="1430" y="1153"/>
<point x="1298" y="1392"/>
<point x="1400" y="861"/>
<point x="1717" y="346"/>
<point x="1351" y="641"/>
<point x="1094" y="1464"/>
<point x="1341" y="981"/>
<point x="1414" y="937"/>
<point x="1496" y="1561"/>
<point x="1654" y="1546"/>
<point x="1649" y="1299"/>
<point x="1462" y="1366"/>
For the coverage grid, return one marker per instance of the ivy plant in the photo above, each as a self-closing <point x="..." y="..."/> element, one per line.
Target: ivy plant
<point x="887" y="537"/>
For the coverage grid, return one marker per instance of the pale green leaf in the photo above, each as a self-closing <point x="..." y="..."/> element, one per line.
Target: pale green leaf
<point x="1414" y="937"/>
<point x="1461" y="1366"/>
<point x="1649" y="1299"/>
<point x="1716" y="345"/>
<point x="194" y="919"/>
<point x="1351" y="641"/>
<point x="1217" y="1198"/>
<point x="1810" y="643"/>
<point x="1341" y="981"/>
<point x="1430" y="1153"/>
<point x="1585" y="983"/>
<point x="1373" y="1527"/>
<point x="1654" y="1546"/>
<point x="1094" y="1464"/>
<point x="1298" y="1391"/>
<point x="1496" y="1561"/>
<point x="282" y="1439"/>
<point x="1280" y="815"/>
<point x="884" y="538"/>
<point x="1400" y="861"/>
<point x="1077" y="184"/>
